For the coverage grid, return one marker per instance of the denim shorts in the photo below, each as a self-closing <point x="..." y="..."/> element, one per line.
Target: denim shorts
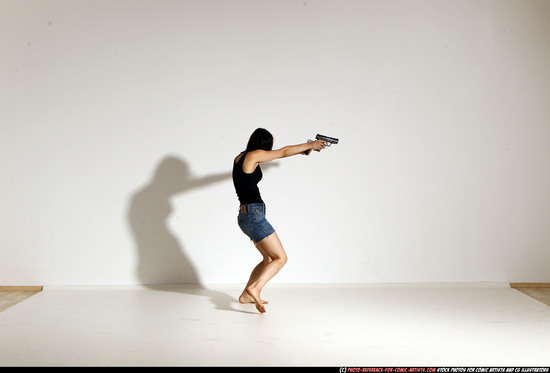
<point x="253" y="222"/>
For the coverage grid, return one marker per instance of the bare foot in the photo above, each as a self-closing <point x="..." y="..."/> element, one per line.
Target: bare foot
<point x="245" y="298"/>
<point x="257" y="301"/>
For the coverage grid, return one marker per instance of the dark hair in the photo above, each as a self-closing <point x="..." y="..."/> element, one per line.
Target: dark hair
<point x="260" y="139"/>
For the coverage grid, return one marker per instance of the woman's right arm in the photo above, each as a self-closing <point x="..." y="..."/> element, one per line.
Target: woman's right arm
<point x="259" y="156"/>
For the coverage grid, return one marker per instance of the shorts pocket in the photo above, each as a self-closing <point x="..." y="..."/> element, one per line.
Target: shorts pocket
<point x="258" y="217"/>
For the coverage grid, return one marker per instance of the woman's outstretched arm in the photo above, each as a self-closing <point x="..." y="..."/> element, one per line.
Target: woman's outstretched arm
<point x="259" y="156"/>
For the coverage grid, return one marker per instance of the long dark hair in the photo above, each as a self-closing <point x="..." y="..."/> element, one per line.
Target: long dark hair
<point x="260" y="139"/>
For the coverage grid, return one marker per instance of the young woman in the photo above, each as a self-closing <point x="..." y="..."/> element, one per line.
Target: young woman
<point x="246" y="175"/>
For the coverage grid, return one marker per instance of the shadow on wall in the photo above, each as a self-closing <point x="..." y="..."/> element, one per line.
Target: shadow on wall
<point x="161" y="257"/>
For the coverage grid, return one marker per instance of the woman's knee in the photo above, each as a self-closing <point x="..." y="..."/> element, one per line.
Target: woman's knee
<point x="272" y="248"/>
<point x="283" y="259"/>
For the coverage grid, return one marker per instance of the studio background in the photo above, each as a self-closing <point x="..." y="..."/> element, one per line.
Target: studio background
<point x="120" y="120"/>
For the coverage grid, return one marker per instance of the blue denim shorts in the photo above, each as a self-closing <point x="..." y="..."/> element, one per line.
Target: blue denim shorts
<point x="253" y="222"/>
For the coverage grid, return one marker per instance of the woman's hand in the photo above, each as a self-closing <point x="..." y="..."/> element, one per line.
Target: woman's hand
<point x="318" y="145"/>
<point x="315" y="145"/>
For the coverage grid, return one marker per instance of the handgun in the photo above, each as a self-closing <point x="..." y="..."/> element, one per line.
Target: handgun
<point x="327" y="139"/>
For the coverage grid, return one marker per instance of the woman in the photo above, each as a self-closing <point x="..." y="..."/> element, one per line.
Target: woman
<point x="246" y="175"/>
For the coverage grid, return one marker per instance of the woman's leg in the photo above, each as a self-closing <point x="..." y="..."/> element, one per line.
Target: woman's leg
<point x="275" y="258"/>
<point x="245" y="298"/>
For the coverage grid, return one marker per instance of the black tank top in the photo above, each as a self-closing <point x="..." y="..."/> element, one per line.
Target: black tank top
<point x="246" y="185"/>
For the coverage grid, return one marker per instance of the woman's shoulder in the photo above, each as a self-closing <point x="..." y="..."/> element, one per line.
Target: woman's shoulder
<point x="238" y="157"/>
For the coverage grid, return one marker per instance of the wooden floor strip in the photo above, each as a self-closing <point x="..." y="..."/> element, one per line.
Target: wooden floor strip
<point x="530" y="285"/>
<point x="536" y="290"/>
<point x="21" y="288"/>
<point x="9" y="298"/>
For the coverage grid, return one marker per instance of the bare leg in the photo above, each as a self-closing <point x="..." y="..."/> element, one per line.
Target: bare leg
<point x="245" y="298"/>
<point x="269" y="247"/>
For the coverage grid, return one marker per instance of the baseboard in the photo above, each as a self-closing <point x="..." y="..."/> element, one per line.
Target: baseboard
<point x="512" y="285"/>
<point x="21" y="288"/>
<point x="530" y="284"/>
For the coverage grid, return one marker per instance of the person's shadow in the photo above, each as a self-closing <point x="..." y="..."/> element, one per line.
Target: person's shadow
<point x="161" y="257"/>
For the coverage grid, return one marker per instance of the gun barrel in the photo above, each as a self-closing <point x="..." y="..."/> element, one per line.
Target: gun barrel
<point x="332" y="140"/>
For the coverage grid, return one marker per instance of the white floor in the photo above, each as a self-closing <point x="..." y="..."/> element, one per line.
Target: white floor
<point x="305" y="325"/>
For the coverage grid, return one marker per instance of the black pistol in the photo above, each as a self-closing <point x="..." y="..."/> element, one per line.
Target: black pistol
<point x="329" y="140"/>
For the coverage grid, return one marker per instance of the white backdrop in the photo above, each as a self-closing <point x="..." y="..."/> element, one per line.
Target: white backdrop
<point x="120" y="120"/>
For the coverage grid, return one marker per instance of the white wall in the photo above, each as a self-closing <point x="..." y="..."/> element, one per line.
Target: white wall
<point x="120" y="119"/>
